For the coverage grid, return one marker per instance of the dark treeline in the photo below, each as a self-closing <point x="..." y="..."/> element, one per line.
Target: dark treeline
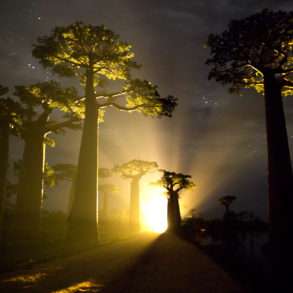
<point x="238" y="241"/>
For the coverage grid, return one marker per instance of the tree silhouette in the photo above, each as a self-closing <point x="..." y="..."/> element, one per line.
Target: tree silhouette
<point x="8" y="124"/>
<point x="95" y="54"/>
<point x="226" y="201"/>
<point x="38" y="102"/>
<point x="256" y="52"/>
<point x="174" y="183"/>
<point x="135" y="170"/>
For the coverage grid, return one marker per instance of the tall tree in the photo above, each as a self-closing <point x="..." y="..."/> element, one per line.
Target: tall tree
<point x="93" y="54"/>
<point x="135" y="170"/>
<point x="39" y="102"/>
<point x="174" y="183"/>
<point x="8" y="124"/>
<point x="256" y="52"/>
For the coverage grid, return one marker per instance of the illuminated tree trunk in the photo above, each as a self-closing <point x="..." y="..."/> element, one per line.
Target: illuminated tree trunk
<point x="134" y="205"/>
<point x="83" y="216"/>
<point x="173" y="210"/>
<point x="30" y="189"/>
<point x="280" y="178"/>
<point x="4" y="153"/>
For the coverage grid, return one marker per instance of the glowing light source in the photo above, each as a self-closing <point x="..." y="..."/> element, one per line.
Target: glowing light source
<point x="154" y="209"/>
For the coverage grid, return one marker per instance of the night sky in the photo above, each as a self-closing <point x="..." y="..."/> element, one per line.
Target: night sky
<point x="216" y="137"/>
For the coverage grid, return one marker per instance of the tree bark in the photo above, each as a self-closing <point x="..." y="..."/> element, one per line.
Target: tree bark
<point x="4" y="153"/>
<point x="83" y="216"/>
<point x="280" y="173"/>
<point x="30" y="188"/>
<point x="134" y="214"/>
<point x="173" y="210"/>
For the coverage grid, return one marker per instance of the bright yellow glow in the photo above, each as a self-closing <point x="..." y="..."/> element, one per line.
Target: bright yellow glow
<point x="27" y="279"/>
<point x="154" y="209"/>
<point x="86" y="286"/>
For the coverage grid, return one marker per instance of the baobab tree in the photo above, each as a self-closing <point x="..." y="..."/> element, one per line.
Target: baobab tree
<point x="174" y="183"/>
<point x="256" y="53"/>
<point x="227" y="201"/>
<point x="38" y="102"/>
<point x="8" y="125"/>
<point x="94" y="54"/>
<point x="135" y="170"/>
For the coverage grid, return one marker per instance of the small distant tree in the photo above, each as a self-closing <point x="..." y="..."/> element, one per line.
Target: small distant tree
<point x="256" y="53"/>
<point x="94" y="54"/>
<point x="174" y="183"/>
<point x="227" y="201"/>
<point x="135" y="170"/>
<point x="38" y="102"/>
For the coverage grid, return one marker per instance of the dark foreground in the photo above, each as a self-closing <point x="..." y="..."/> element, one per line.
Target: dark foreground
<point x="143" y="264"/>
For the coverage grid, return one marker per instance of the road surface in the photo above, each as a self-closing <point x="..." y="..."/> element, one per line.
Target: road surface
<point x="147" y="263"/>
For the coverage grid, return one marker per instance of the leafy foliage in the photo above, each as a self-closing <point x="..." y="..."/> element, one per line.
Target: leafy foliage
<point x="9" y="111"/>
<point x="135" y="168"/>
<point x="175" y="182"/>
<point x="144" y="97"/>
<point x="38" y="101"/>
<point x="249" y="47"/>
<point x="80" y="48"/>
<point x="59" y="172"/>
<point x="75" y="48"/>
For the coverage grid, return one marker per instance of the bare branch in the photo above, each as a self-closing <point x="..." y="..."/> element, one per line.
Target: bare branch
<point x="123" y="108"/>
<point x="56" y="126"/>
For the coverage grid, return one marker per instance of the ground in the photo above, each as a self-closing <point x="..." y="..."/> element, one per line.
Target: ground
<point x="146" y="263"/>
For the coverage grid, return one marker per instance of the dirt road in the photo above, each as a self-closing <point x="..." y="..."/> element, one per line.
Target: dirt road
<point x="146" y="263"/>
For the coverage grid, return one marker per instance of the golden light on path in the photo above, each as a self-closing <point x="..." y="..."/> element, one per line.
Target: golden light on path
<point x="154" y="209"/>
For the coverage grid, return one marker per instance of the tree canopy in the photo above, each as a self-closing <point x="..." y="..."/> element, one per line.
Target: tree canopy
<point x="9" y="111"/>
<point x="79" y="48"/>
<point x="75" y="48"/>
<point x="135" y="168"/>
<point x="39" y="100"/>
<point x="227" y="200"/>
<point x="251" y="46"/>
<point x="175" y="182"/>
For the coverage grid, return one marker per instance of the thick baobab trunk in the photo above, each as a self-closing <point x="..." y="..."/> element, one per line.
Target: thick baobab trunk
<point x="30" y="188"/>
<point x="83" y="216"/>
<point x="134" y="214"/>
<point x="280" y="178"/>
<point x="173" y="211"/>
<point x="4" y="153"/>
